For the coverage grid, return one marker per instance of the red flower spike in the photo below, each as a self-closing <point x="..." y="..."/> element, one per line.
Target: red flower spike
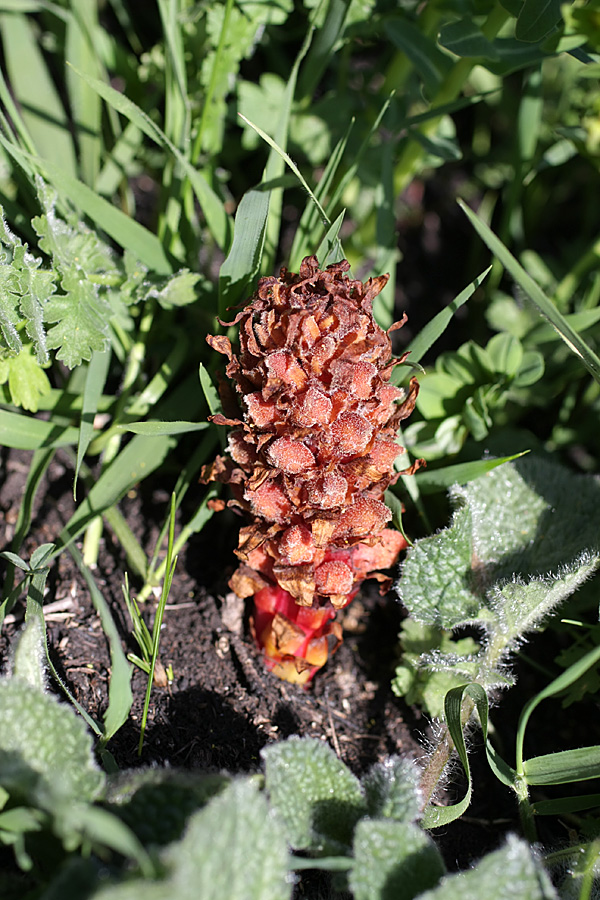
<point x="311" y="456"/>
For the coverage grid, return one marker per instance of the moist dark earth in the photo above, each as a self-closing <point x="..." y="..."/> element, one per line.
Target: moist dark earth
<point x="221" y="707"/>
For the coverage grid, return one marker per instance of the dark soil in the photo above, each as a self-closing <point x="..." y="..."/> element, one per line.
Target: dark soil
<point x="222" y="707"/>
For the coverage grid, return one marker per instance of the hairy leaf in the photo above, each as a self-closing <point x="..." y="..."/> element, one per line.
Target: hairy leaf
<point x="317" y="797"/>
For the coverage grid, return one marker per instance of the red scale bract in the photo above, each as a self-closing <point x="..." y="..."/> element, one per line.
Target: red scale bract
<point x="310" y="457"/>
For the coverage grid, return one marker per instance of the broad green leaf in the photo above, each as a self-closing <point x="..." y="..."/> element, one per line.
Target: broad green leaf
<point x="26" y="433"/>
<point x="506" y="353"/>
<point x="393" y="860"/>
<point x="537" y="19"/>
<point x="433" y="480"/>
<point x="233" y="848"/>
<point x="435" y="392"/>
<point x="524" y="536"/>
<point x="428" y="60"/>
<point x="49" y="745"/>
<point x="511" y="873"/>
<point x="544" y="305"/>
<point x="391" y="790"/>
<point x="27" y="381"/>
<point x="465" y="38"/>
<point x="315" y="795"/>
<point x="154" y="427"/>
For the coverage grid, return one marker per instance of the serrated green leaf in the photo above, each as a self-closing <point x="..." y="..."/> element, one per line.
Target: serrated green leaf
<point x="180" y="290"/>
<point x="393" y="861"/>
<point x="511" y="873"/>
<point x="79" y="320"/>
<point x="316" y="796"/>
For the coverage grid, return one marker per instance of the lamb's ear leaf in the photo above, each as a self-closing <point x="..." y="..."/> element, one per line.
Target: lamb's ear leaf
<point x="234" y="847"/>
<point x="497" y="875"/>
<point x="392" y="790"/>
<point x="393" y="859"/>
<point x="317" y="797"/>
<point x="524" y="536"/>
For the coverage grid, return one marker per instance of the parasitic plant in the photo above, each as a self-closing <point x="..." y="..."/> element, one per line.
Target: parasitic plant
<point x="310" y="456"/>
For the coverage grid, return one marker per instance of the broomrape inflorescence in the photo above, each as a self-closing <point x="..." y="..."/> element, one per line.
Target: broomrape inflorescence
<point x="310" y="456"/>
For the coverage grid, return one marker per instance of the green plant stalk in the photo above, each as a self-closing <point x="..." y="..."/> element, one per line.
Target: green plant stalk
<point x="171" y="562"/>
<point x="410" y="159"/>
<point x="584" y="264"/>
<point x="160" y="572"/>
<point x="444" y="748"/>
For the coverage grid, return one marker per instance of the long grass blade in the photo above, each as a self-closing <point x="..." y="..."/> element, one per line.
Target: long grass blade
<point x="95" y="380"/>
<point x="544" y="305"/>
<point x="216" y="217"/>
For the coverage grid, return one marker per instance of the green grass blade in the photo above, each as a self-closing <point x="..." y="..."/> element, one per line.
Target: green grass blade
<point x="40" y="104"/>
<point x="434" y="329"/>
<point x="564" y="680"/>
<point x="353" y="169"/>
<point x="258" y="219"/>
<point x="290" y="163"/>
<point x="217" y="219"/>
<point x="324" y="46"/>
<point x="85" y="103"/>
<point x="132" y="236"/>
<point x="95" y="380"/>
<point x="564" y="805"/>
<point x="535" y="294"/>
<point x="432" y="481"/>
<point x="142" y="456"/>
<point x="310" y="223"/>
<point x="26" y="433"/>
<point x="243" y="260"/>
<point x="120" y="697"/>
<point x="330" y="249"/>
<point x="136" y="558"/>
<point x="154" y="427"/>
<point x="565" y="767"/>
